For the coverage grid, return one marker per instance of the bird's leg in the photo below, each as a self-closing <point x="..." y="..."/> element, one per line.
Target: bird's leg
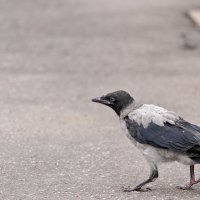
<point x="192" y="180"/>
<point x="152" y="177"/>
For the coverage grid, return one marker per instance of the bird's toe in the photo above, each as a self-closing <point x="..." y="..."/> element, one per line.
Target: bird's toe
<point x="144" y="190"/>
<point x="129" y="189"/>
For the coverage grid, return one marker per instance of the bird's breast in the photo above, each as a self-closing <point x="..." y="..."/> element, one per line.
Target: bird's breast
<point x="130" y="137"/>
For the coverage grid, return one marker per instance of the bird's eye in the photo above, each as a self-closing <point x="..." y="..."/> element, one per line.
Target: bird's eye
<point x="112" y="99"/>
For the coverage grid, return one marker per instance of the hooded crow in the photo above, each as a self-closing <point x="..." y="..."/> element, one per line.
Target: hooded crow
<point x="161" y="135"/>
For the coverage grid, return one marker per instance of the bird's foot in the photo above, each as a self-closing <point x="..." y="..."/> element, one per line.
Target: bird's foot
<point x="189" y="186"/>
<point x="138" y="189"/>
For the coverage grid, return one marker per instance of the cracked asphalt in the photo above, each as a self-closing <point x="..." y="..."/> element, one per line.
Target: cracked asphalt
<point x="55" y="56"/>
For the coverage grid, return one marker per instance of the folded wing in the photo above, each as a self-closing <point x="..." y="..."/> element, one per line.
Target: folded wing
<point x="163" y="131"/>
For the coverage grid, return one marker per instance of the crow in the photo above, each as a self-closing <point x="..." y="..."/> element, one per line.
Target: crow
<point x="161" y="135"/>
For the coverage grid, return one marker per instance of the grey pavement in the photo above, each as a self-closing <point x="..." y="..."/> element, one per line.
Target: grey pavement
<point x="55" y="56"/>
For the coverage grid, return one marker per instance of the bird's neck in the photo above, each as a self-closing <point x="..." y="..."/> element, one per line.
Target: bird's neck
<point x="130" y="107"/>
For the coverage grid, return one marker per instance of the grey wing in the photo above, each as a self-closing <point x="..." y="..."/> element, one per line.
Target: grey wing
<point x="182" y="136"/>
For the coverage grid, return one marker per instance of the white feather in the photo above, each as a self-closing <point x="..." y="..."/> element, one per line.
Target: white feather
<point x="148" y="113"/>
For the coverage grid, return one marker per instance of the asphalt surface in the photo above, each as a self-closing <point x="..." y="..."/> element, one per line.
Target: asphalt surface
<point x="55" y="56"/>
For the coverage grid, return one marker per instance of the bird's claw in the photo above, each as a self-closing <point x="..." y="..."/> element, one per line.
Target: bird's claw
<point x="138" y="189"/>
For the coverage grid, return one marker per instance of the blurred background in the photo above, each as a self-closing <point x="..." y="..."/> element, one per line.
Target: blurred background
<point x="55" y="56"/>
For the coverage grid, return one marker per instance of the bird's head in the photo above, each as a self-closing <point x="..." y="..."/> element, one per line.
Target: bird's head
<point x="116" y="100"/>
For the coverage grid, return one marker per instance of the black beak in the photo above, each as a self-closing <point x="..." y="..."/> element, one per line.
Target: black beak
<point x="101" y="100"/>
